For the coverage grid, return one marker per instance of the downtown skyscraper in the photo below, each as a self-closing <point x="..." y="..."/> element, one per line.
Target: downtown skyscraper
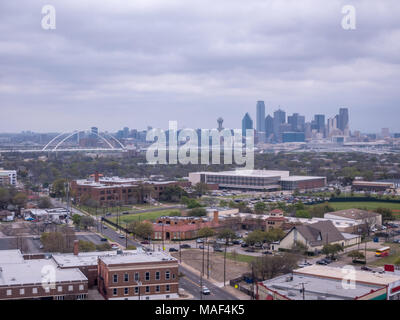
<point x="260" y="119"/>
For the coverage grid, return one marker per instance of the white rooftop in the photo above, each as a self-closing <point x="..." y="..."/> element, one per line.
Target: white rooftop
<point x="85" y="258"/>
<point x="360" y="276"/>
<point x="139" y="257"/>
<point x="253" y="173"/>
<point x="10" y="256"/>
<point x="33" y="271"/>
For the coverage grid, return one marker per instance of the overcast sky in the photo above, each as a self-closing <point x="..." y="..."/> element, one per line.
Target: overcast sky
<point x="116" y="63"/>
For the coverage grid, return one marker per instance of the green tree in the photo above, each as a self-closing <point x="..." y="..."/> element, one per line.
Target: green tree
<point x="260" y="207"/>
<point x="201" y="189"/>
<point x="386" y="213"/>
<point x="303" y="214"/>
<point x="144" y="230"/>
<point x="197" y="212"/>
<point x="205" y="232"/>
<point x="87" y="222"/>
<point x="355" y="254"/>
<point x="86" y="246"/>
<point x="331" y="249"/>
<point x="58" y="188"/>
<point x="5" y="198"/>
<point x="76" y="219"/>
<point x="255" y="236"/>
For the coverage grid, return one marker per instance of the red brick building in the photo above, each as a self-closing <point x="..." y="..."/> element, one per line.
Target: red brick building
<point x="183" y="228"/>
<point x="114" y="190"/>
<point x="141" y="276"/>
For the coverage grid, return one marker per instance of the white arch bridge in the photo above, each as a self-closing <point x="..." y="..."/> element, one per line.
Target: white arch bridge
<point x="63" y="143"/>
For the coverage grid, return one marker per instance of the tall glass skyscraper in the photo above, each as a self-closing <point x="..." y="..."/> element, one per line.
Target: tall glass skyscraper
<point x="260" y="116"/>
<point x="247" y="123"/>
<point x="343" y="119"/>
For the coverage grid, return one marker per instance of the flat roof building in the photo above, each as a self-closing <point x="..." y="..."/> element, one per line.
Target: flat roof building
<point x="328" y="283"/>
<point x="39" y="279"/>
<point x="268" y="180"/>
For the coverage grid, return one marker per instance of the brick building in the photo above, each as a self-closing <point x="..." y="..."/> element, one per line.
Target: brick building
<point x="140" y="276"/>
<point x="183" y="228"/>
<point x="109" y="191"/>
<point x="38" y="279"/>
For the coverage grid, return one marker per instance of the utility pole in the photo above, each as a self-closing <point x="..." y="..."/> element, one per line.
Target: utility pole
<point x="303" y="290"/>
<point x="208" y="259"/>
<point x="226" y="245"/>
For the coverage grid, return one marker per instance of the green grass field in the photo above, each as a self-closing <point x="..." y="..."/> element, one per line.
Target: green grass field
<point x="239" y="257"/>
<point x="394" y="255"/>
<point x="366" y="205"/>
<point x="145" y="216"/>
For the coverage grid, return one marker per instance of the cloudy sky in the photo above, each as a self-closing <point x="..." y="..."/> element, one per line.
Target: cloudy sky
<point x="116" y="63"/>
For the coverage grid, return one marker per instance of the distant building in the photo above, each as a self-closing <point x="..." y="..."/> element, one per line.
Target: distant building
<point x="293" y="137"/>
<point x="8" y="177"/>
<point x="257" y="180"/>
<point x="356" y="216"/>
<point x="260" y="127"/>
<point x="372" y="186"/>
<point x="247" y="124"/>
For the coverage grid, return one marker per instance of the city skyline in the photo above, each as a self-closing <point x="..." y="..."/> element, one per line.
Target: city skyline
<point x="199" y="61"/>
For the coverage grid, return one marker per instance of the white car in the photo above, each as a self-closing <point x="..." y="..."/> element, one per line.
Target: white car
<point x="205" y="290"/>
<point x="114" y="247"/>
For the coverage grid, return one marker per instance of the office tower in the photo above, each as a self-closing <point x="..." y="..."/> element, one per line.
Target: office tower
<point x="269" y="125"/>
<point x="279" y="118"/>
<point x="247" y="123"/>
<point x="94" y="131"/>
<point x="220" y="122"/>
<point x="319" y="120"/>
<point x="343" y="119"/>
<point x="260" y="116"/>
<point x="126" y="132"/>
<point x="332" y="128"/>
<point x="296" y="122"/>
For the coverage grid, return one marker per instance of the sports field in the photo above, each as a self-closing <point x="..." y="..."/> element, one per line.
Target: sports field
<point x="395" y="207"/>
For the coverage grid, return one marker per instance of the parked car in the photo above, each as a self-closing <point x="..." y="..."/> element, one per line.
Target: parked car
<point x="173" y="250"/>
<point x="185" y="246"/>
<point x="244" y="245"/>
<point x="365" y="268"/>
<point x="218" y="250"/>
<point x="105" y="227"/>
<point x="114" y="247"/>
<point x="145" y="242"/>
<point x="267" y="252"/>
<point x="250" y="250"/>
<point x="121" y="236"/>
<point x="125" y="212"/>
<point x="103" y="239"/>
<point x="235" y="242"/>
<point x="108" y="214"/>
<point x="201" y="247"/>
<point x="199" y="240"/>
<point x="322" y="262"/>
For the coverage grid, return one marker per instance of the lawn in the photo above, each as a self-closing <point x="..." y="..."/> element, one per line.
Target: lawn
<point x="395" y="207"/>
<point x="239" y="257"/>
<point x="394" y="255"/>
<point x="145" y="216"/>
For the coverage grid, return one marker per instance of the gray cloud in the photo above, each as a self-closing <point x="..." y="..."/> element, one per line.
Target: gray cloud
<point x="135" y="63"/>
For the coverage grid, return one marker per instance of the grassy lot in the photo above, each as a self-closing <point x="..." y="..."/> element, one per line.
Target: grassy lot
<point x="145" y="216"/>
<point x="395" y="207"/>
<point x="394" y="254"/>
<point x="239" y="257"/>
